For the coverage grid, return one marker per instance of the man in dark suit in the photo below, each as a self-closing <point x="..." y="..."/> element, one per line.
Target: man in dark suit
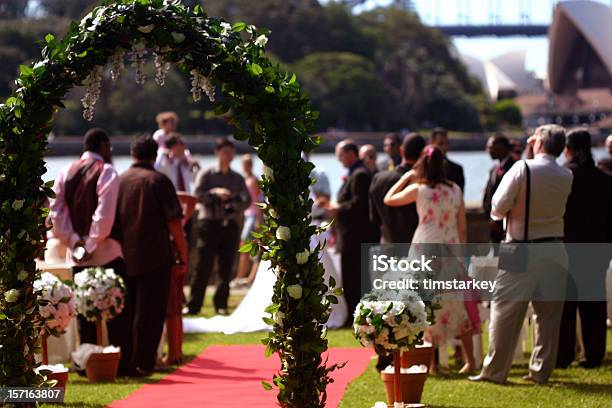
<point x="397" y="224"/>
<point x="353" y="226"/>
<point x="393" y="157"/>
<point x="588" y="220"/>
<point x="454" y="171"/>
<point x="499" y="148"/>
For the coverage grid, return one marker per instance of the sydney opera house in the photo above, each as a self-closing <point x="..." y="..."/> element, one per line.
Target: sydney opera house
<point x="578" y="86"/>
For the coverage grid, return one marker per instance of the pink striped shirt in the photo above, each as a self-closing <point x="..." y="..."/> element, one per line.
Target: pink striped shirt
<point x="97" y="243"/>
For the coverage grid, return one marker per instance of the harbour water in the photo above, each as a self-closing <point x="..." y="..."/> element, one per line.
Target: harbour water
<point x="476" y="165"/>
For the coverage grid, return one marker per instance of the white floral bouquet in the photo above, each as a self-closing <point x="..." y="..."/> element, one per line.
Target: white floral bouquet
<point x="99" y="293"/>
<point x="56" y="304"/>
<point x="390" y="325"/>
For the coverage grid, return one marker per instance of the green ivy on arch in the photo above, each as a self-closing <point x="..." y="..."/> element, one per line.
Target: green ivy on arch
<point x="267" y="109"/>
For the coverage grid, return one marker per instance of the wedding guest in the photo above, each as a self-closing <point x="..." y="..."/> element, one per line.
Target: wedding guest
<point x="499" y="148"/>
<point x="320" y="191"/>
<point x="252" y="218"/>
<point x="367" y="154"/>
<point x="591" y="194"/>
<point x="173" y="162"/>
<point x="167" y="123"/>
<point x="454" y="171"/>
<point x="606" y="163"/>
<point x="550" y="187"/>
<point x="148" y="225"/>
<point x="391" y="147"/>
<point x="223" y="197"/>
<point x="397" y="224"/>
<point x="353" y="226"/>
<point x="517" y="149"/>
<point x="442" y="220"/>
<point x="82" y="216"/>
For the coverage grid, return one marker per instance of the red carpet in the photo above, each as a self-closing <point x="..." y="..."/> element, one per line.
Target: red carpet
<point x="230" y="376"/>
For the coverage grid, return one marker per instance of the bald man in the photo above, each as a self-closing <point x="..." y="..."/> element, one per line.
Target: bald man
<point x="367" y="154"/>
<point x="353" y="225"/>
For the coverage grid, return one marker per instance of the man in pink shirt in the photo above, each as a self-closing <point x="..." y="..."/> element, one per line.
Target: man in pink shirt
<point x="82" y="216"/>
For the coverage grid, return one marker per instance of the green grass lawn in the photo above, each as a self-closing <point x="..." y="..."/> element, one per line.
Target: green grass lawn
<point x="574" y="387"/>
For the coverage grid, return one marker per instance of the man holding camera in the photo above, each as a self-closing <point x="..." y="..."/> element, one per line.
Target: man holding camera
<point x="223" y="197"/>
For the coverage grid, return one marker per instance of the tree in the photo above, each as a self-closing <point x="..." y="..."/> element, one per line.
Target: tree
<point x="72" y="9"/>
<point x="418" y="70"/>
<point x="10" y="58"/>
<point x="20" y="43"/>
<point x="345" y="88"/>
<point x="10" y="9"/>
<point x="508" y="112"/>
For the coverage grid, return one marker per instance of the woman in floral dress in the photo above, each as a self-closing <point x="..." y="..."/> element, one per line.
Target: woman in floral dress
<point x="441" y="221"/>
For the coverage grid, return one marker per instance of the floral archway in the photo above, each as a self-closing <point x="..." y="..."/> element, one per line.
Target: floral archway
<point x="267" y="109"/>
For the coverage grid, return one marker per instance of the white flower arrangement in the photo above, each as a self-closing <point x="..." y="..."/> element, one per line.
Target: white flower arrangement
<point x="283" y="233"/>
<point x="268" y="173"/>
<point x="99" y="293"/>
<point x="261" y="41"/>
<point x="56" y="304"/>
<point x="390" y="325"/>
<point x="295" y="291"/>
<point x="302" y="257"/>
<point x="12" y="295"/>
<point x="226" y="28"/>
<point x="18" y="204"/>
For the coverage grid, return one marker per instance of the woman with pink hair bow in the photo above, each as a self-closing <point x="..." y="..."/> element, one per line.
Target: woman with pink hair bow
<point x="442" y="221"/>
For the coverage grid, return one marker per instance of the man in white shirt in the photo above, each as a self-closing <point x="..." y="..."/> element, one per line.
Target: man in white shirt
<point x="543" y="281"/>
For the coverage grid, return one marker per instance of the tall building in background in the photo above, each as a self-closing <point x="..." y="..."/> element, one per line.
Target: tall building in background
<point x="579" y="79"/>
<point x="504" y="76"/>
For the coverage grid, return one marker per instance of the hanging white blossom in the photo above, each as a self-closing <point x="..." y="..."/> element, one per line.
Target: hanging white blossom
<point x="92" y="92"/>
<point x="161" y="69"/>
<point x="137" y="58"/>
<point x="117" y="63"/>
<point x="201" y="83"/>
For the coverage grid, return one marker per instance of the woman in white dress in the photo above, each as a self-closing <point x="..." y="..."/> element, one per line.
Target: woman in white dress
<point x="441" y="221"/>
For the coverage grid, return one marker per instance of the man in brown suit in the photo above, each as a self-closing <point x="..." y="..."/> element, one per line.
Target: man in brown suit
<point x="148" y="225"/>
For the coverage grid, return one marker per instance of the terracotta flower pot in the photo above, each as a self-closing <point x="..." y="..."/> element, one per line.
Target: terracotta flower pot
<point x="411" y="386"/>
<point x="420" y="355"/>
<point x="61" y="378"/>
<point x="102" y="367"/>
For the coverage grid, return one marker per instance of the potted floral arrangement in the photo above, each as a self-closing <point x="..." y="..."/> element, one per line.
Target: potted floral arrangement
<point x="57" y="308"/>
<point x="100" y="297"/>
<point x="394" y="326"/>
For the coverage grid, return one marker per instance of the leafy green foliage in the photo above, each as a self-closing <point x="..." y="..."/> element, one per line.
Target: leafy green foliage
<point x="507" y="112"/>
<point x="277" y="124"/>
<point x="334" y="79"/>
<point x="411" y="72"/>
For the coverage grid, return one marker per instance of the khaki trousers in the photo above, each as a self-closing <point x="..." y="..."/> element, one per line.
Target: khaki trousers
<point x="543" y="284"/>
<point x="504" y="330"/>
